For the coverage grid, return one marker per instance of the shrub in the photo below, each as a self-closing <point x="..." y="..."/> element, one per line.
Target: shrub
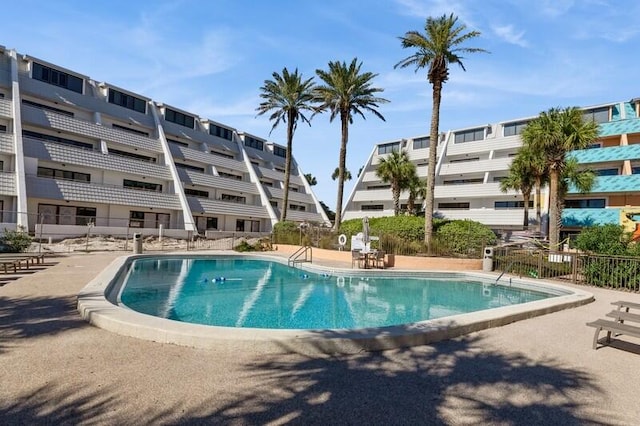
<point x="604" y="239"/>
<point x="465" y="237"/>
<point x="16" y="241"/>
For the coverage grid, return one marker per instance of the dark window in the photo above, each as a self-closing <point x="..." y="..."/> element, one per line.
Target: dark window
<point x="3" y="128"/>
<point x="136" y="219"/>
<point x="56" y="139"/>
<point x="85" y="215"/>
<point x="599" y="115"/>
<point x="607" y="172"/>
<point x="63" y="174"/>
<point x="499" y="178"/>
<point x="635" y="170"/>
<point x="274" y="203"/>
<point x="512" y="129"/>
<point x="453" y="206"/>
<point x="66" y="215"/>
<point x="255" y="163"/>
<point x="588" y="203"/>
<point x="179" y="118"/>
<point x="253" y="143"/>
<point x="233" y="198"/>
<point x="388" y="148"/>
<point x="464" y="160"/>
<point x="420" y="143"/>
<point x="279" y="151"/>
<point x="462" y="181"/>
<point x="148" y="219"/>
<point x="266" y="183"/>
<point x="130" y="130"/>
<point x="376" y="187"/>
<point x="178" y="142"/>
<point x="128" y="101"/>
<point x="240" y="225"/>
<point x="212" y="223"/>
<point x="190" y="167"/>
<point x="132" y="155"/>
<point x="279" y="169"/>
<point x="196" y="193"/>
<point x="47" y="107"/>
<point x="595" y="145"/>
<point x="57" y="78"/>
<point x="470" y="135"/>
<point x="368" y="207"/>
<point x="511" y="204"/>
<point x="297" y="207"/>
<point x="221" y="154"/>
<point x="221" y="132"/>
<point x="229" y="175"/>
<point x="145" y="186"/>
<point x="293" y="189"/>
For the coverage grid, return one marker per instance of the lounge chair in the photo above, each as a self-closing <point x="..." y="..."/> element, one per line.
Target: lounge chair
<point x="617" y="327"/>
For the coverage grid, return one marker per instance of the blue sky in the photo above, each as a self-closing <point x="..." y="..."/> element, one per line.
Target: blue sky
<point x="211" y="57"/>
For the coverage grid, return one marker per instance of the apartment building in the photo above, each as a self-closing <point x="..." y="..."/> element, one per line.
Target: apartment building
<point x="472" y="161"/>
<point x="76" y="151"/>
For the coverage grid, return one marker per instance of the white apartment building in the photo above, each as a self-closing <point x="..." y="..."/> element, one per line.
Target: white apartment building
<point x="75" y="151"/>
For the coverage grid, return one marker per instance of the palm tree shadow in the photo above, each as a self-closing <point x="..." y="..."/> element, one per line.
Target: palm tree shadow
<point x="456" y="381"/>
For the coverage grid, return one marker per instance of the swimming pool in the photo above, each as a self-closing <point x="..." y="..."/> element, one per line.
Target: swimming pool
<point x="103" y="303"/>
<point x="255" y="293"/>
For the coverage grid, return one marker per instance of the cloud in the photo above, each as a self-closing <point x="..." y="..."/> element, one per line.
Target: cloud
<point x="510" y="35"/>
<point x="554" y="8"/>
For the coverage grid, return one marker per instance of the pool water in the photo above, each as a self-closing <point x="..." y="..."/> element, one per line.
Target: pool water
<point x="241" y="292"/>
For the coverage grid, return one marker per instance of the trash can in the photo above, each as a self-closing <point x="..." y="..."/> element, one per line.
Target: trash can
<point x="487" y="259"/>
<point x="137" y="243"/>
<point x="391" y="260"/>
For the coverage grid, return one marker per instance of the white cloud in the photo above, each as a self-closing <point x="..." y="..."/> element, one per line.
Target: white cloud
<point x="554" y="8"/>
<point x="509" y="34"/>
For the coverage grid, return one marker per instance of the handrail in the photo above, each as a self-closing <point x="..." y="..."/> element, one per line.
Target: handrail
<point x="307" y="251"/>
<point x="505" y="271"/>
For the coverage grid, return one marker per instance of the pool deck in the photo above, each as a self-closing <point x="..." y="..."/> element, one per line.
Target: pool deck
<point x="55" y="369"/>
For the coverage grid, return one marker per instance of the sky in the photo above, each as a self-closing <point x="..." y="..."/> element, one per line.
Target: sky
<point x="211" y="58"/>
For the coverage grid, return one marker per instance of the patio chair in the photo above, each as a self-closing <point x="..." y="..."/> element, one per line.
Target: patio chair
<point x="378" y="261"/>
<point x="358" y="257"/>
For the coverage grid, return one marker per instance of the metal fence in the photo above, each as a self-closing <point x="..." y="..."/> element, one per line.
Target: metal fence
<point x="617" y="272"/>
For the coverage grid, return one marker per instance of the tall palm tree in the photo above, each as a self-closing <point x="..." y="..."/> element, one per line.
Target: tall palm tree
<point x="347" y="92"/>
<point x="520" y="178"/>
<point x="417" y="191"/>
<point x="336" y="173"/>
<point x="397" y="170"/>
<point x="287" y="97"/>
<point x="553" y="134"/>
<point x="573" y="178"/>
<point x="439" y="46"/>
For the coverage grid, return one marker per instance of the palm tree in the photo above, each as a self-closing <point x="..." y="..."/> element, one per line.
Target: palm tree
<point x="287" y="96"/>
<point x="417" y="190"/>
<point x="347" y="92"/>
<point x="580" y="180"/>
<point x="520" y="179"/>
<point x="397" y="170"/>
<point x="336" y="173"/>
<point x="553" y="134"/>
<point x="311" y="179"/>
<point x="438" y="47"/>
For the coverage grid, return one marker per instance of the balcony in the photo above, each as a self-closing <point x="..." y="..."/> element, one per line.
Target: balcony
<point x="196" y="178"/>
<point x="372" y="195"/>
<point x="609" y="184"/>
<point x="7" y="183"/>
<point x="182" y="152"/>
<point x="72" y="125"/>
<point x="205" y="205"/>
<point x="470" y="190"/>
<point x="299" y="216"/>
<point x="603" y="155"/>
<point x="278" y="193"/>
<point x="59" y="189"/>
<point x="6" y="110"/>
<point x="486" y="145"/>
<point x="6" y="143"/>
<point x="491" y="217"/>
<point x="461" y="168"/>
<point x="51" y="151"/>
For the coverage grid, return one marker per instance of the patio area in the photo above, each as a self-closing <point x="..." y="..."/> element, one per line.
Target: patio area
<point x="55" y="368"/>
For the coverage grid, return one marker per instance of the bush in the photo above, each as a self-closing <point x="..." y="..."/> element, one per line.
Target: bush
<point x="605" y="239"/>
<point x="406" y="227"/>
<point x="288" y="233"/>
<point x="16" y="241"/>
<point x="465" y="237"/>
<point x="261" y="245"/>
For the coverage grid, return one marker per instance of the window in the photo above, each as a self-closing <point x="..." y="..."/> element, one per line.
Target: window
<point x="57" y="78"/>
<point x="274" y="203"/>
<point x="1" y="167"/>
<point x="279" y="169"/>
<point x="130" y="130"/>
<point x="233" y="198"/>
<point x="66" y="215"/>
<point x="635" y="170"/>
<point x="47" y="107"/>
<point x="388" y="148"/>
<point x="587" y="203"/>
<point x="179" y="118"/>
<point x="266" y="183"/>
<point x="255" y="163"/>
<point x="178" y="142"/>
<point x="148" y="219"/>
<point x="464" y="160"/>
<point x="212" y="223"/>
<point x="3" y="128"/>
<point x="50" y="173"/>
<point x="242" y="225"/>
<point x="499" y="178"/>
<point x="128" y="101"/>
<point x="189" y="167"/>
<point x="253" y="143"/>
<point x="204" y="223"/>
<point x="279" y="151"/>
<point x="453" y="206"/>
<point x="369" y="207"/>
<point x="56" y="139"/>
<point x="462" y="181"/>
<point x="377" y="187"/>
<point x="136" y="219"/>
<point x="221" y="132"/>
<point x="229" y="175"/>
<point x="470" y="135"/>
<point x="132" y="155"/>
<point x="196" y="193"/>
<point x="293" y="189"/>
<point x="607" y="172"/>
<point x="419" y="143"/>
<point x="297" y="207"/>
<point x="595" y="145"/>
<point x="221" y="154"/>
<point x="511" y="204"/>
<point x="512" y="129"/>
<point x="599" y="115"/>
<point x="144" y="186"/>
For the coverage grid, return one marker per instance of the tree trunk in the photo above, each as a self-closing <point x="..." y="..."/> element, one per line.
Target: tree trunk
<point x="396" y="199"/>
<point x="431" y="173"/>
<point x="538" y="206"/>
<point x="344" y="121"/>
<point x="287" y="168"/>
<point x="525" y="199"/>
<point x="553" y="209"/>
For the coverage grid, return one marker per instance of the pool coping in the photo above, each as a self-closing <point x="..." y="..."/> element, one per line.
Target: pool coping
<point x="96" y="305"/>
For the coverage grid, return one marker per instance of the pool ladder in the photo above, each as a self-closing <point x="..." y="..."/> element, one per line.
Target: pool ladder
<point x="297" y="257"/>
<point x="505" y="271"/>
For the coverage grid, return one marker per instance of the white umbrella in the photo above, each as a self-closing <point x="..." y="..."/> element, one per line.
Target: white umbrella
<point x="366" y="239"/>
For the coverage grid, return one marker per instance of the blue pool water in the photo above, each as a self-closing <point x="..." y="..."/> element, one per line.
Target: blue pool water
<point x="241" y="292"/>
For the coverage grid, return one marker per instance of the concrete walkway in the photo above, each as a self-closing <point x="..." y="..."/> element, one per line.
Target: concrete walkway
<point x="56" y="369"/>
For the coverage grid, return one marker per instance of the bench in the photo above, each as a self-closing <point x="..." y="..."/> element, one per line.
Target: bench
<point x="622" y="304"/>
<point x="622" y="316"/>
<point x="612" y="327"/>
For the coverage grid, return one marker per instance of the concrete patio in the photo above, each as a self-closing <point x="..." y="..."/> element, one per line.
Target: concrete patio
<point x="57" y="369"/>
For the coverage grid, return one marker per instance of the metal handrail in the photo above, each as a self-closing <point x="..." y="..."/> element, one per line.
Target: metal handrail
<point x="307" y="251"/>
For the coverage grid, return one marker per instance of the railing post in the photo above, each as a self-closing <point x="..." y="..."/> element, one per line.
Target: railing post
<point x="574" y="279"/>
